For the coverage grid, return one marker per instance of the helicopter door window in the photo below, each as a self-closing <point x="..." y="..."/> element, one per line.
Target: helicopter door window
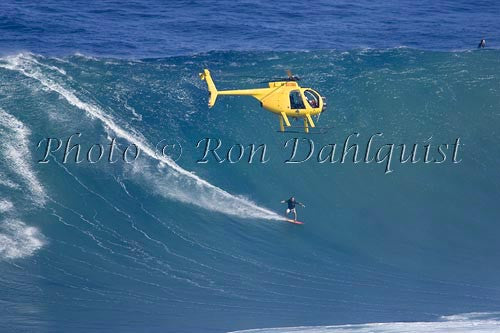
<point x="296" y="101"/>
<point x="312" y="98"/>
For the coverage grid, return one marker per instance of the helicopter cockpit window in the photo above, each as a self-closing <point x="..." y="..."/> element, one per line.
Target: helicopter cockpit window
<point x="296" y="101"/>
<point x="312" y="98"/>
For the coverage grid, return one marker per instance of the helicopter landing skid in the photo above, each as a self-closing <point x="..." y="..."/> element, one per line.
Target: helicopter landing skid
<point x="317" y="130"/>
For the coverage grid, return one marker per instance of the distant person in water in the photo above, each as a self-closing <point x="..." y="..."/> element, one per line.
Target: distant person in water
<point x="291" y="207"/>
<point x="482" y="44"/>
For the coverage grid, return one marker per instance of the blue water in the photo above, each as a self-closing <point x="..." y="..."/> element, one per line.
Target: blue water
<point x="163" y="246"/>
<point x="150" y="28"/>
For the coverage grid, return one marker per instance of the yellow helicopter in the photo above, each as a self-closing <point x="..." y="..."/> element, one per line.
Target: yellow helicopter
<point x="284" y="97"/>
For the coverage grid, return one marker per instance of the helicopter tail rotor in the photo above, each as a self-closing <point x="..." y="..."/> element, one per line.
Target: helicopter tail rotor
<point x="211" y="87"/>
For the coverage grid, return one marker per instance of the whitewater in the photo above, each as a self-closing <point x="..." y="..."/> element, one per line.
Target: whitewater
<point x="224" y="201"/>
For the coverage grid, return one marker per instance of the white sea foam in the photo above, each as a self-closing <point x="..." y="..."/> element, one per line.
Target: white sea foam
<point x="201" y="192"/>
<point x="18" y="240"/>
<point x="5" y="181"/>
<point x="85" y="56"/>
<point x="5" y="205"/>
<point x="463" y="323"/>
<point x="15" y="151"/>
<point x="187" y="189"/>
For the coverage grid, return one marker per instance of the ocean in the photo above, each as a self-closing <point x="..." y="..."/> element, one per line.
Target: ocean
<point x="113" y="218"/>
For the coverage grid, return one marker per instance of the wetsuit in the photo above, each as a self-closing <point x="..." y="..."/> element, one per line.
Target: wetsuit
<point x="292" y="204"/>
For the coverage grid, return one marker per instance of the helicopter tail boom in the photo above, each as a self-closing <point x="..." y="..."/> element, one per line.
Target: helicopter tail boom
<point x="211" y="87"/>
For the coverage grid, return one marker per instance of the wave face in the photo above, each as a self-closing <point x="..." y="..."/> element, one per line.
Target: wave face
<point x="167" y="244"/>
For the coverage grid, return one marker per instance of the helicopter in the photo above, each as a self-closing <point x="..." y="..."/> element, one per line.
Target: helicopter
<point x="283" y="97"/>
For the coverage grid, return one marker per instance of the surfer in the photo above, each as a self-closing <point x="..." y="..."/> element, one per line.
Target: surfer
<point x="291" y="207"/>
<point x="482" y="44"/>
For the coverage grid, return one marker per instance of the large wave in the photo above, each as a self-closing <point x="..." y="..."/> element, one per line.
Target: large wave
<point x="169" y="244"/>
<point x="175" y="182"/>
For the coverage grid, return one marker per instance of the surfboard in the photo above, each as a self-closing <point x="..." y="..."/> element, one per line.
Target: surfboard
<point x="293" y="221"/>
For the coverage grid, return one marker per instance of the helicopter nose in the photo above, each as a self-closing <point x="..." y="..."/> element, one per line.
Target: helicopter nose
<point x="324" y="104"/>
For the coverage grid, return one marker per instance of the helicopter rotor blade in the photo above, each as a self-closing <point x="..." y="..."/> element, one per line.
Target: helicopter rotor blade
<point x="274" y="79"/>
<point x="292" y="77"/>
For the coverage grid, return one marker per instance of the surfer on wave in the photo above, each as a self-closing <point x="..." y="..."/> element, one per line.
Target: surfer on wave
<point x="291" y="207"/>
